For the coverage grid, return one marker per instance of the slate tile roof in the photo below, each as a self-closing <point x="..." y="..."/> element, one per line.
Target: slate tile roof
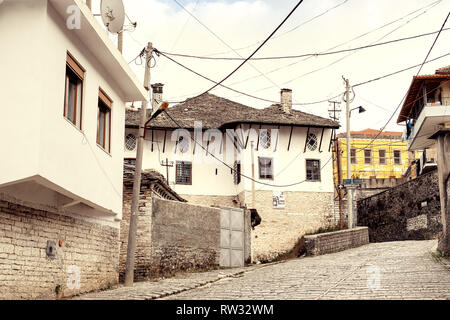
<point x="217" y="112"/>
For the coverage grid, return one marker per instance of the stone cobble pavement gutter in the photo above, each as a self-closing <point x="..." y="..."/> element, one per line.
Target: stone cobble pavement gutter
<point x="164" y="287"/>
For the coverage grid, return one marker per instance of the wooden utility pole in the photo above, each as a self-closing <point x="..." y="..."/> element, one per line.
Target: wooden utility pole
<point x="253" y="174"/>
<point x="335" y="117"/>
<point x="167" y="165"/>
<point x="131" y="247"/>
<point x="349" y="174"/>
<point x="120" y="41"/>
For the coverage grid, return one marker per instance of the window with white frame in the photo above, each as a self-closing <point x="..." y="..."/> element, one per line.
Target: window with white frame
<point x="183" y="172"/>
<point x="265" y="168"/>
<point x="312" y="170"/>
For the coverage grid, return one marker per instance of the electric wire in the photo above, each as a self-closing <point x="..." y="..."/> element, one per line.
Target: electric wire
<point x="233" y="170"/>
<point x="306" y="54"/>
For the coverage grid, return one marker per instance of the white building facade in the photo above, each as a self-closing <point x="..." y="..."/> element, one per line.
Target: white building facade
<point x="292" y="175"/>
<point x="64" y="89"/>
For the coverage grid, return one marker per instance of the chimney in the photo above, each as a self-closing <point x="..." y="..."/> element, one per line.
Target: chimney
<point x="286" y="100"/>
<point x="157" y="95"/>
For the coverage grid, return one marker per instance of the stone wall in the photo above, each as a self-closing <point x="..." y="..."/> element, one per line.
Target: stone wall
<point x="26" y="272"/>
<point x="184" y="237"/>
<point x="217" y="201"/>
<point x="281" y="229"/>
<point x="410" y="211"/>
<point x="143" y="257"/>
<point x="336" y="241"/>
<point x="171" y="236"/>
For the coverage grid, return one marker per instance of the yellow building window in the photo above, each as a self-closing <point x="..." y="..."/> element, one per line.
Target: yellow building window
<point x="382" y="156"/>
<point x="367" y="156"/>
<point x="397" y="157"/>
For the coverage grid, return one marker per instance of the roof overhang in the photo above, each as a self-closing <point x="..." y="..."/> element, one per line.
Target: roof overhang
<point x="414" y="91"/>
<point x="96" y="39"/>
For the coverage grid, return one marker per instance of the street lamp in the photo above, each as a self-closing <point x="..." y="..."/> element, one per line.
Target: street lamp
<point x="360" y="110"/>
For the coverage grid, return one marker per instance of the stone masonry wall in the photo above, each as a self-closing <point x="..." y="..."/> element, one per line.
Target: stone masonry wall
<point x="330" y="242"/>
<point x="25" y="270"/>
<point x="143" y="257"/>
<point x="184" y="237"/>
<point x="410" y="211"/>
<point x="281" y="229"/>
<point x="217" y="201"/>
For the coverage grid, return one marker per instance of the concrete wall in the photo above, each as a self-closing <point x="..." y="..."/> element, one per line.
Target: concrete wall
<point x="410" y="211"/>
<point x="330" y="242"/>
<point x="25" y="270"/>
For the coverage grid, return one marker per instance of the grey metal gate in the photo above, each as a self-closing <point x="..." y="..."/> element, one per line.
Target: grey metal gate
<point x="232" y="232"/>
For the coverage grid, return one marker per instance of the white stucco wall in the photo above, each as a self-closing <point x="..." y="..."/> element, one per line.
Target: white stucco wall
<point x="289" y="166"/>
<point x="36" y="139"/>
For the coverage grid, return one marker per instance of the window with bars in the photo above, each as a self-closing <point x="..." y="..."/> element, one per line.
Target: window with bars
<point x="264" y="138"/>
<point x="382" y="156"/>
<point x="183" y="172"/>
<point x="353" y="156"/>
<point x="73" y="95"/>
<point x="237" y="172"/>
<point x="313" y="170"/>
<point x="367" y="156"/>
<point x="265" y="168"/>
<point x="104" y="121"/>
<point x="130" y="142"/>
<point x="397" y="157"/>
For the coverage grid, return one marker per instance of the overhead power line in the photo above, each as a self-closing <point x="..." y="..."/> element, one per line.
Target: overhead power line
<point x="233" y="170"/>
<point x="421" y="66"/>
<point x="257" y="49"/>
<point x="272" y="101"/>
<point x="286" y="32"/>
<point x="225" y="43"/>
<point x="305" y="54"/>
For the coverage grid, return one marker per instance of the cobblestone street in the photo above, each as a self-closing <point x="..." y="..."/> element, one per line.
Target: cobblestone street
<point x="389" y="270"/>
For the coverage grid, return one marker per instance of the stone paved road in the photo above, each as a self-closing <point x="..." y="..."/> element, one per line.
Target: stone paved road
<point x="389" y="270"/>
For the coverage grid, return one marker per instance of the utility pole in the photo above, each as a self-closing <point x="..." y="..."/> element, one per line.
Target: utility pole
<point x="167" y="164"/>
<point x="120" y="41"/>
<point x="349" y="174"/>
<point x="253" y="174"/>
<point x="131" y="247"/>
<point x="334" y="115"/>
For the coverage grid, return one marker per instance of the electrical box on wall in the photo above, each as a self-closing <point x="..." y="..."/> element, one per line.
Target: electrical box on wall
<point x="51" y="249"/>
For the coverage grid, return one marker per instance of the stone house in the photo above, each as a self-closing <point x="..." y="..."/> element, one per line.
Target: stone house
<point x="203" y="147"/>
<point x="61" y="182"/>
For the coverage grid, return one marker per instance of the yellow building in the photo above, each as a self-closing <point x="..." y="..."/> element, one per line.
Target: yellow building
<point x="385" y="157"/>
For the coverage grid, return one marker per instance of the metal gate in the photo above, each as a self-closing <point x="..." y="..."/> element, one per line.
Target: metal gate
<point x="232" y="232"/>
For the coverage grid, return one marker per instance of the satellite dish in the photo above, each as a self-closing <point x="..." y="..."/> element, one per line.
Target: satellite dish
<point x="113" y="15"/>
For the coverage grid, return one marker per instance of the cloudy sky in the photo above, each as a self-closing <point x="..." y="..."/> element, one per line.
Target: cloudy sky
<point x="236" y="28"/>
